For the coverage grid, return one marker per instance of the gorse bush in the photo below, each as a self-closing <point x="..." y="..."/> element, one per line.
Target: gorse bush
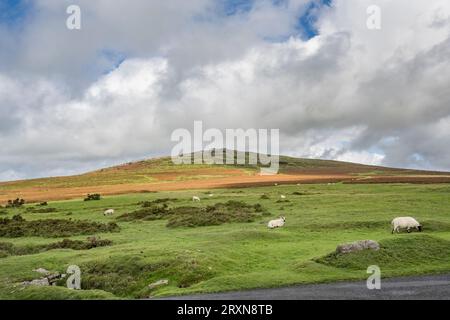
<point x="148" y="212"/>
<point x="19" y="227"/>
<point x="92" y="197"/>
<point x="147" y="204"/>
<point x="17" y="203"/>
<point x="41" y="210"/>
<point x="8" y="249"/>
<point x="219" y="213"/>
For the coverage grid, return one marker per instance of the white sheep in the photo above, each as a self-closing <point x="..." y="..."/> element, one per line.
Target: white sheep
<point x="195" y="198"/>
<point x="108" y="212"/>
<point x="407" y="223"/>
<point x="283" y="196"/>
<point x="211" y="195"/>
<point x="278" y="223"/>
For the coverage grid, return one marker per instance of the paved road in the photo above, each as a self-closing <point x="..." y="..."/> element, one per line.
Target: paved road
<point x="424" y="287"/>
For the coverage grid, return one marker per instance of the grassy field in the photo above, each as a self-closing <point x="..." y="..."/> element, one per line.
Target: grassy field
<point x="236" y="255"/>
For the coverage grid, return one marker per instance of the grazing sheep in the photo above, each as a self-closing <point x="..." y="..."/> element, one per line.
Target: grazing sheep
<point x="211" y="195"/>
<point x="407" y="223"/>
<point x="283" y="196"/>
<point x="195" y="198"/>
<point x="278" y="223"/>
<point x="275" y="184"/>
<point x="108" y="212"/>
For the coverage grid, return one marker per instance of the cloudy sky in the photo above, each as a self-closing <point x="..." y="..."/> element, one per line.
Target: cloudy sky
<point x="76" y="100"/>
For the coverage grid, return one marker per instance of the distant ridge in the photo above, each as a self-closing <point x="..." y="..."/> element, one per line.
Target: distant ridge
<point x="161" y="174"/>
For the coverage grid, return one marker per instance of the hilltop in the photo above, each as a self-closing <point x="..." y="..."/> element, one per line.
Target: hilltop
<point x="160" y="174"/>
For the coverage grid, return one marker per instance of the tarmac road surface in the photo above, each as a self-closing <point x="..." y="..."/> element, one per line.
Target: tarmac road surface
<point x="434" y="287"/>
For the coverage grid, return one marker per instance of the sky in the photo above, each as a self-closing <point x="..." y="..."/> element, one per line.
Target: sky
<point x="77" y="100"/>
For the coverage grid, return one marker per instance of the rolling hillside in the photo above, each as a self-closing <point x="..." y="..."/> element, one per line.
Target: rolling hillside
<point x="160" y="174"/>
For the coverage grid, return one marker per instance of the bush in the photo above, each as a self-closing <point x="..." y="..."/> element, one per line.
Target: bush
<point x="41" y="210"/>
<point x="43" y="204"/>
<point x="148" y="212"/>
<point x="19" y="227"/>
<point x="264" y="197"/>
<point x="92" y="242"/>
<point x="8" y="249"/>
<point x="219" y="213"/>
<point x="147" y="204"/>
<point x="17" y="203"/>
<point x="93" y="197"/>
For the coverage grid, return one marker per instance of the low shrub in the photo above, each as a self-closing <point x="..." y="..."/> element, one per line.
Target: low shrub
<point x="8" y="249"/>
<point x="219" y="213"/>
<point x="93" y="197"/>
<point x="41" y="210"/>
<point x="264" y="197"/>
<point x="283" y="201"/>
<point x="146" y="204"/>
<point x="19" y="227"/>
<point x="92" y="242"/>
<point x="148" y="212"/>
<point x="17" y="203"/>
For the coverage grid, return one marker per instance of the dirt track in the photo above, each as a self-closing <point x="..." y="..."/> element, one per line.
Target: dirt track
<point x="34" y="194"/>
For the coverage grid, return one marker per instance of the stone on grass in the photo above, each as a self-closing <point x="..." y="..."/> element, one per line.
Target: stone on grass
<point x="41" y="270"/>
<point x="358" y="246"/>
<point x="158" y="283"/>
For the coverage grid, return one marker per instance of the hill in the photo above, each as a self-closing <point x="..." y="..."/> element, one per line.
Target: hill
<point x="160" y="174"/>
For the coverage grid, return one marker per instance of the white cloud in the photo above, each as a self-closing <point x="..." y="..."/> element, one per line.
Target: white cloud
<point x="340" y="95"/>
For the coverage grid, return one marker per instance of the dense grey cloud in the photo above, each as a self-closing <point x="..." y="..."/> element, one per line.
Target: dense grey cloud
<point x="69" y="103"/>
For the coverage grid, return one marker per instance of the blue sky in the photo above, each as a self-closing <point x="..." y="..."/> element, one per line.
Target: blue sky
<point x="13" y="11"/>
<point x="305" y="26"/>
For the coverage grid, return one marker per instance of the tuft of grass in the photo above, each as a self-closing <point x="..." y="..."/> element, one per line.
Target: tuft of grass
<point x="19" y="227"/>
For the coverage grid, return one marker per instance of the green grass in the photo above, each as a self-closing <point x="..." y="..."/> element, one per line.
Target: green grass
<point x="238" y="255"/>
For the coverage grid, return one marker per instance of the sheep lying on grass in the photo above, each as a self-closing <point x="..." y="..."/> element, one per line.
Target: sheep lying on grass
<point x="407" y="223"/>
<point x="108" y="212"/>
<point x="278" y="223"/>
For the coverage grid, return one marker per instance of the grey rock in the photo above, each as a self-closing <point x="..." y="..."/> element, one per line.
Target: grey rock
<point x="158" y="283"/>
<point x="42" y="271"/>
<point x="37" y="282"/>
<point x="358" y="246"/>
